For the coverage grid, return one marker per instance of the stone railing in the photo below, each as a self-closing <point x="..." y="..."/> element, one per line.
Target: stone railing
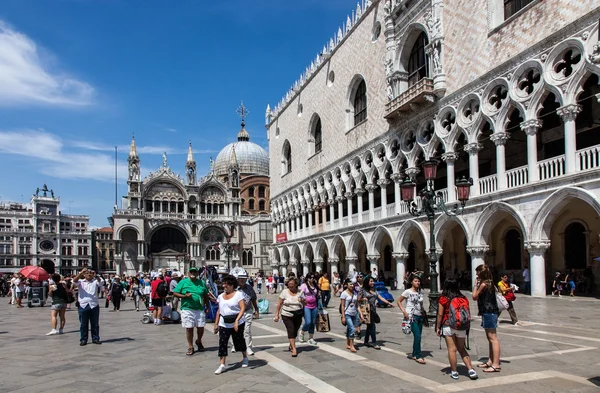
<point x="417" y="93"/>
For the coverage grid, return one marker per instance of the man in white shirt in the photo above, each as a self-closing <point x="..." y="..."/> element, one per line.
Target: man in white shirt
<point x="526" y="280"/>
<point x="19" y="290"/>
<point x="89" y="310"/>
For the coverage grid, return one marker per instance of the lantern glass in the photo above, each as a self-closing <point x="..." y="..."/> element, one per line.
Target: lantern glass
<point x="430" y="169"/>
<point x="408" y="190"/>
<point x="463" y="187"/>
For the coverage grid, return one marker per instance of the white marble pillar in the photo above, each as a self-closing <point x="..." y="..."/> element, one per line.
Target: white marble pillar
<point x="473" y="150"/>
<point x="500" y="138"/>
<point x="449" y="158"/>
<point x="310" y="222"/>
<point x="371" y="189"/>
<point x="330" y="202"/>
<point x="477" y="254"/>
<point x="400" y="258"/>
<point x="530" y="127"/>
<point x="373" y="259"/>
<point x="297" y="228"/>
<point x="294" y="266"/>
<point x="348" y="196"/>
<point x="383" y="186"/>
<point x="352" y="261"/>
<point x="284" y="270"/>
<point x="537" y="266"/>
<point x="275" y="269"/>
<point x="324" y="217"/>
<point x="568" y="114"/>
<point x="334" y="267"/>
<point x="305" y="267"/>
<point x="360" y="192"/>
<point x="340" y="205"/>
<point x="397" y="194"/>
<point x="304" y="227"/>
<point x="318" y="265"/>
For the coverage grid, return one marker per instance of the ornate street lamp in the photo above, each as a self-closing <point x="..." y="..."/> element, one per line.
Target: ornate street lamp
<point x="228" y="248"/>
<point x="430" y="202"/>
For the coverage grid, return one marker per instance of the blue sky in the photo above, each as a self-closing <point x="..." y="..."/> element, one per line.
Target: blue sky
<point x="78" y="77"/>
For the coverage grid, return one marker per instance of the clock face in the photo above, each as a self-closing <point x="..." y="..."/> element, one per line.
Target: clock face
<point x="46" y="245"/>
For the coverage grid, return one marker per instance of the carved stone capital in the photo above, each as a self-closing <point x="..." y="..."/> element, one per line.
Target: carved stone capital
<point x="371" y="187"/>
<point x="537" y="246"/>
<point x="359" y="191"/>
<point x="400" y="255"/>
<point x="372" y="257"/>
<point x="450" y="156"/>
<point x="318" y="261"/>
<point x="500" y="138"/>
<point x="478" y="251"/>
<point x="293" y="263"/>
<point x="348" y="195"/>
<point x="569" y="112"/>
<point x="396" y="177"/>
<point x="340" y="199"/>
<point x="473" y="148"/>
<point x="330" y="201"/>
<point x="412" y="172"/>
<point x="305" y="262"/>
<point x="352" y="260"/>
<point x="333" y="262"/>
<point x="530" y="127"/>
<point x="383" y="182"/>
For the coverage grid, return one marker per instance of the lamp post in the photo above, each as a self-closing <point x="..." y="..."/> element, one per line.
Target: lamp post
<point x="228" y="248"/>
<point x="430" y="202"/>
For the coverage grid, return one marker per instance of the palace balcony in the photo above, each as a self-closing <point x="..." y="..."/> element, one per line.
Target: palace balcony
<point x="419" y="93"/>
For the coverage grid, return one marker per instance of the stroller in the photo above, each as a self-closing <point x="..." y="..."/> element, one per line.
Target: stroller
<point x="168" y="314"/>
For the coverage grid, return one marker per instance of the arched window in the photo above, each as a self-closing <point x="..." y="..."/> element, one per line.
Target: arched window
<point x="318" y="137"/>
<point x="360" y="103"/>
<point x="286" y="160"/>
<point x="511" y="7"/>
<point x="251" y="192"/>
<point x="418" y="67"/>
<point x="261" y="205"/>
<point x="251" y="204"/>
<point x="261" y="191"/>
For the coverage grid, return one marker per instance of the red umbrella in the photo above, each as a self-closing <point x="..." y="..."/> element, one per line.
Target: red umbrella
<point x="35" y="273"/>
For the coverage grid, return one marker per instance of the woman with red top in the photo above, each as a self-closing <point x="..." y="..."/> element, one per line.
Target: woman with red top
<point x="454" y="328"/>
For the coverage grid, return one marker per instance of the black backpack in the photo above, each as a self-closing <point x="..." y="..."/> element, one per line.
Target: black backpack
<point x="162" y="290"/>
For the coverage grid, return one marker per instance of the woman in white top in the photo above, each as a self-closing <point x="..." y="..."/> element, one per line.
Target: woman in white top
<point x="414" y="313"/>
<point x="229" y="321"/>
<point x="291" y="308"/>
<point x="350" y="315"/>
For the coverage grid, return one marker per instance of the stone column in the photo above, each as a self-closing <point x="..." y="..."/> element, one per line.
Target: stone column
<point x="397" y="194"/>
<point x="305" y="269"/>
<point x="340" y="201"/>
<point x="323" y="217"/>
<point x="334" y="266"/>
<point x="537" y="266"/>
<point x="530" y="127"/>
<point x="331" y="214"/>
<point x="318" y="264"/>
<point x="371" y="189"/>
<point x="348" y="196"/>
<point x="568" y="114"/>
<point x="450" y="158"/>
<point x="360" y="192"/>
<point x="352" y="261"/>
<point x="473" y="150"/>
<point x="477" y="254"/>
<point x="373" y="259"/>
<point x="500" y="138"/>
<point x="297" y="228"/>
<point x="274" y="265"/>
<point x="304" y="228"/>
<point x="400" y="258"/>
<point x="310" y="221"/>
<point x="284" y="269"/>
<point x="383" y="186"/>
<point x="294" y="266"/>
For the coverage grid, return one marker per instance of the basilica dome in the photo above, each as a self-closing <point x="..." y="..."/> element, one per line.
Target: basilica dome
<point x="250" y="157"/>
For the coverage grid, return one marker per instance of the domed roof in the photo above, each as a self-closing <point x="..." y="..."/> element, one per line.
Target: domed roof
<point x="250" y="157"/>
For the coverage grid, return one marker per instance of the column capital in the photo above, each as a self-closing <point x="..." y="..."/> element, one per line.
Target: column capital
<point x="293" y="263"/>
<point x="473" y="148"/>
<point x="412" y="172"/>
<point x="330" y="201"/>
<point x="348" y="195"/>
<point x="450" y="156"/>
<point x="400" y="255"/>
<point x="359" y="191"/>
<point x="371" y="188"/>
<point x="396" y="177"/>
<point x="333" y="261"/>
<point x="305" y="262"/>
<point x="383" y="182"/>
<point x="537" y="246"/>
<point x="372" y="257"/>
<point x="478" y="251"/>
<point x="340" y="199"/>
<point x="317" y="260"/>
<point x="500" y="138"/>
<point x="530" y="127"/>
<point x="351" y="259"/>
<point x="568" y="112"/>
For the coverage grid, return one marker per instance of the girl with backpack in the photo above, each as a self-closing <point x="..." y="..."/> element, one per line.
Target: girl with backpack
<point x="485" y="295"/>
<point x="453" y="321"/>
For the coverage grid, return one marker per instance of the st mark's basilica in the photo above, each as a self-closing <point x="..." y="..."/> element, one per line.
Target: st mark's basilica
<point x="221" y="219"/>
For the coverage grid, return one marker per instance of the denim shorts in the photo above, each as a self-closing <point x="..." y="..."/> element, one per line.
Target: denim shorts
<point x="489" y="321"/>
<point x="58" y="307"/>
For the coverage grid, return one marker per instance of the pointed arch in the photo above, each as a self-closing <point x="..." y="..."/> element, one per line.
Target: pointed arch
<point x="353" y="243"/>
<point x="295" y="254"/>
<point x="336" y="244"/>
<point x="488" y="218"/>
<point x="403" y="240"/>
<point x="443" y="223"/>
<point x="376" y="239"/>
<point x="552" y="206"/>
<point x="321" y="249"/>
<point x="307" y="251"/>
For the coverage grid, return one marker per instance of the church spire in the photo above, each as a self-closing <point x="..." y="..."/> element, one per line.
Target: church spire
<point x="133" y="149"/>
<point x="190" y="156"/>
<point x="190" y="167"/>
<point x="133" y="162"/>
<point x="243" y="135"/>
<point x="233" y="162"/>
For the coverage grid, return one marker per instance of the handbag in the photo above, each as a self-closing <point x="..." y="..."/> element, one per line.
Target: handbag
<point x="374" y="316"/>
<point x="298" y="313"/>
<point x="501" y="302"/>
<point x="229" y="318"/>
<point x="510" y="296"/>
<point x="365" y="309"/>
<point x="323" y="325"/>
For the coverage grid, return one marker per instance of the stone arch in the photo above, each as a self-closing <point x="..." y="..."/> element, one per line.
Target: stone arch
<point x="552" y="206"/>
<point x="124" y="228"/>
<point x="277" y="255"/>
<point x="443" y="223"/>
<point x="353" y="243"/>
<point x="315" y="124"/>
<point x="488" y="218"/>
<point x="337" y="243"/>
<point x="377" y="238"/>
<point x="407" y="41"/>
<point x="295" y="254"/>
<point x="321" y="250"/>
<point x="307" y="251"/>
<point x="285" y="255"/>
<point x="163" y="179"/>
<point x="351" y="95"/>
<point x="402" y="240"/>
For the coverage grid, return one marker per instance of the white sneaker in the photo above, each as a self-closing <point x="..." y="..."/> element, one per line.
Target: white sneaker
<point x="221" y="369"/>
<point x="60" y="331"/>
<point x="250" y="352"/>
<point x="473" y="374"/>
<point x="233" y="350"/>
<point x="302" y="338"/>
<point x="52" y="332"/>
<point x="245" y="363"/>
<point x="312" y="342"/>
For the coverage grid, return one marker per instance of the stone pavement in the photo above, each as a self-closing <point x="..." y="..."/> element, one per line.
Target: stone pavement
<point x="556" y="349"/>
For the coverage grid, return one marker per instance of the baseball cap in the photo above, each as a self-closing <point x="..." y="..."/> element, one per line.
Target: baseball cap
<point x="193" y="269"/>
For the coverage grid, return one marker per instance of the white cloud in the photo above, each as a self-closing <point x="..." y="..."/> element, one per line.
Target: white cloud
<point x="95" y="146"/>
<point x="26" y="79"/>
<point x="48" y="151"/>
<point x="171" y="129"/>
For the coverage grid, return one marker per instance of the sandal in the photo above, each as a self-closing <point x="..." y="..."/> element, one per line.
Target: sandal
<point x="484" y="365"/>
<point x="376" y="347"/>
<point x="493" y="369"/>
<point x="420" y="360"/>
<point x="190" y="351"/>
<point x="353" y="350"/>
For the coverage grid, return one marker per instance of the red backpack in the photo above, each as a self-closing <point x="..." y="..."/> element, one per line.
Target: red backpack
<point x="459" y="316"/>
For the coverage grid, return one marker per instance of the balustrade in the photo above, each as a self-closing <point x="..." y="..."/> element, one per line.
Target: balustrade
<point x="516" y="177"/>
<point x="551" y="168"/>
<point x="488" y="184"/>
<point x="588" y="158"/>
